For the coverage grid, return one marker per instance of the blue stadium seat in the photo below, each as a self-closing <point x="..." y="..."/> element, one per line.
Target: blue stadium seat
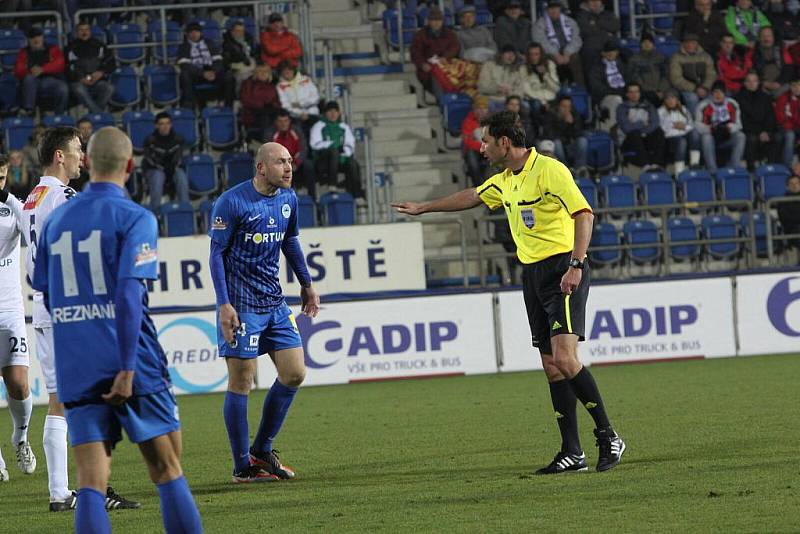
<point x="237" y="167"/>
<point x="100" y="120"/>
<point x="173" y="34"/>
<point x="605" y="234"/>
<point x="631" y="45"/>
<point x="8" y="91"/>
<point x="178" y="219"/>
<point x="204" y="211"/>
<point x="619" y="191"/>
<point x="721" y="227"/>
<point x="211" y="30"/>
<point x="589" y="190"/>
<point x="57" y="120"/>
<point x="760" y="228"/>
<point x="390" y="26"/>
<point x="221" y="128"/>
<point x="202" y="174"/>
<point x="683" y="229"/>
<point x="667" y="9"/>
<point x="735" y="183"/>
<point x="126" y="87"/>
<point x="161" y="82"/>
<point x="455" y="107"/>
<point x="697" y="186"/>
<point x="422" y="15"/>
<point x="184" y="122"/>
<point x="601" y="151"/>
<point x="581" y="101"/>
<point x="51" y="37"/>
<point x="667" y="45"/>
<point x="306" y="211"/>
<point x="16" y="132"/>
<point x="772" y="180"/>
<point x="338" y="209"/>
<point x="640" y="233"/>
<point x="658" y="188"/>
<point x="483" y="16"/>
<point x="10" y="43"/>
<point x="128" y="34"/>
<point x="138" y="125"/>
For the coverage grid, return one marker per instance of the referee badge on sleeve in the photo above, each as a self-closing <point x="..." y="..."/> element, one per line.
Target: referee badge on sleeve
<point x="527" y="217"/>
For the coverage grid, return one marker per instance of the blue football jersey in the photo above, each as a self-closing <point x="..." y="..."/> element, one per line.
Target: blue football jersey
<point x="86" y="247"/>
<point x="251" y="227"/>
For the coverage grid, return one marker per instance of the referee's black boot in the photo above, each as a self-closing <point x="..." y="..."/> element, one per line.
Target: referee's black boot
<point x="611" y="448"/>
<point x="565" y="462"/>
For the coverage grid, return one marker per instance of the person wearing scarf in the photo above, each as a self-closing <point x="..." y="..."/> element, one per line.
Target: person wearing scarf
<point x="430" y="43"/>
<point x="237" y="53"/>
<point x="200" y="63"/>
<point x="744" y="22"/>
<point x="719" y="123"/>
<point x="560" y="38"/>
<point x="607" y="83"/>
<point x="333" y="144"/>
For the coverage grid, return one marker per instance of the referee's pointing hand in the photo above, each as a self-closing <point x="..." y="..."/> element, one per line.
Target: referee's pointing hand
<point x="409" y="208"/>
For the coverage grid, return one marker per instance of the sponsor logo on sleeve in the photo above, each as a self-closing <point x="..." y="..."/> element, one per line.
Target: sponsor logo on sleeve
<point x="286" y="210"/>
<point x="35" y="197"/>
<point x="219" y="224"/>
<point x="145" y="255"/>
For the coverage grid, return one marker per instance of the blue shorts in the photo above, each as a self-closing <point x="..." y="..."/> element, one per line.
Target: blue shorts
<point x="143" y="417"/>
<point x="260" y="333"/>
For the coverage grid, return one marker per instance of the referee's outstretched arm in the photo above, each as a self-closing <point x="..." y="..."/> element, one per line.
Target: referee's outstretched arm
<point x="463" y="200"/>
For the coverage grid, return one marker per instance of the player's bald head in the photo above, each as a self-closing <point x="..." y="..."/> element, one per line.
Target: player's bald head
<point x="271" y="150"/>
<point x="109" y="152"/>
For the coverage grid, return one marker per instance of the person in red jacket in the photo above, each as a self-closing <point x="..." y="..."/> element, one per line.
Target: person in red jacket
<point x="733" y="63"/>
<point x="260" y="102"/>
<point x="279" y="44"/>
<point x="292" y="137"/>
<point x="477" y="165"/>
<point x="787" y="111"/>
<point x="41" y="70"/>
<point x="430" y="43"/>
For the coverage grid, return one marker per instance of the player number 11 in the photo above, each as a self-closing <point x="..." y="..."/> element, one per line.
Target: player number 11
<point x="90" y="246"/>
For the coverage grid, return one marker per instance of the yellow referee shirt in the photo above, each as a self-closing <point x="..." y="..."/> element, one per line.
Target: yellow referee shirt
<point x="540" y="202"/>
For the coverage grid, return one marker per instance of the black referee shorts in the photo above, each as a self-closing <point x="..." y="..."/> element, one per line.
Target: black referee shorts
<point x="551" y="312"/>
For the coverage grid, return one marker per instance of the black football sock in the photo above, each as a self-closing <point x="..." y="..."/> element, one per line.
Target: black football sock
<point x="564" y="403"/>
<point x="585" y="389"/>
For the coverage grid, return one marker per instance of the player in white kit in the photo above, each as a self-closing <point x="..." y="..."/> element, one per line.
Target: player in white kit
<point x="61" y="158"/>
<point x="14" y="354"/>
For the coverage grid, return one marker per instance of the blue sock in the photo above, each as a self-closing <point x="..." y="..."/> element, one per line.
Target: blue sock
<point x="178" y="509"/>
<point x="90" y="515"/>
<point x="276" y="406"/>
<point x="235" y="412"/>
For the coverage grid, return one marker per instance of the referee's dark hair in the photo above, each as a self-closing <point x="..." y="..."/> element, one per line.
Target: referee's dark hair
<point x="506" y="124"/>
<point x="55" y="139"/>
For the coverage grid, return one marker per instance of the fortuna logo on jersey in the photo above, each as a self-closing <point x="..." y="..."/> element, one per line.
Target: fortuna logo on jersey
<point x="35" y="197"/>
<point x="146" y="255"/>
<point x="264" y="237"/>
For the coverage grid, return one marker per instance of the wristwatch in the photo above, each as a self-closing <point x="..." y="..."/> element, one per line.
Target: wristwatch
<point x="575" y="263"/>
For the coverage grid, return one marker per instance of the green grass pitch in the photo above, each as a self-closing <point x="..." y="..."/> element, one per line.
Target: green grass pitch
<point x="712" y="447"/>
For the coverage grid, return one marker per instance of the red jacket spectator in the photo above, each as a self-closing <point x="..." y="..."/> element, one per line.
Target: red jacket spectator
<point x="52" y="64"/>
<point x="293" y="140"/>
<point x="468" y="126"/>
<point x="279" y="44"/>
<point x="427" y="43"/>
<point x="257" y="96"/>
<point x="787" y="111"/>
<point x="732" y="69"/>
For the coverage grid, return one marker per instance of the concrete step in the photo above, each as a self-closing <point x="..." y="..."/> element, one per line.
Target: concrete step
<point x="384" y="149"/>
<point x="420" y="127"/>
<point x="401" y="132"/>
<point x="347" y="45"/>
<point x="422" y="177"/>
<point x="381" y="115"/>
<point x="401" y="102"/>
<point x="331" y="5"/>
<point x="416" y="193"/>
<point x="326" y="19"/>
<point x="435" y="236"/>
<point x="379" y="88"/>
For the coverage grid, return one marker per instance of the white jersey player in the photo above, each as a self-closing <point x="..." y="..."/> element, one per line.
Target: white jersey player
<point x="14" y="355"/>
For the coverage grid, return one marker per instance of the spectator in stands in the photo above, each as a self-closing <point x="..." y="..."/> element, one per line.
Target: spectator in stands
<point x="789" y="212"/>
<point x="333" y="146"/>
<point x="785" y="19"/>
<point x="238" y="54"/>
<point x="733" y="63"/>
<point x="679" y="131"/>
<point x="560" y="37"/>
<point x="284" y="132"/>
<point x="691" y="71"/>
<point x="539" y="79"/>
<point x="648" y="69"/>
<point x="547" y="148"/>
<point x="607" y="83"/>
<point x="565" y="125"/>
<point x="299" y="95"/>
<point x="598" y="27"/>
<point x="41" y="70"/>
<point x="773" y="63"/>
<point x="787" y="111"/>
<point x="719" y="122"/>
<point x="278" y="44"/>
<point x="84" y="132"/>
<point x="430" y="43"/>
<point x="515" y="105"/>
<point x="471" y="132"/>
<point x="90" y="64"/>
<point x="707" y="24"/>
<point x="200" y="62"/>
<point x="501" y="78"/>
<point x="163" y="151"/>
<point x="260" y="103"/>
<point x="639" y="127"/>
<point x="512" y="27"/>
<point x="18" y="182"/>
<point x="31" y="152"/>
<point x="476" y="41"/>
<point x="759" y="123"/>
<point x="744" y="20"/>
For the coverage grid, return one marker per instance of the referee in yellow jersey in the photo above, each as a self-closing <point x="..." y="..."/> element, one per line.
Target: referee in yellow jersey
<point x="551" y="223"/>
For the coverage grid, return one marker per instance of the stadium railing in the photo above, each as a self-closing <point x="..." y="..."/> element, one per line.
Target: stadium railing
<point x="771" y="237"/>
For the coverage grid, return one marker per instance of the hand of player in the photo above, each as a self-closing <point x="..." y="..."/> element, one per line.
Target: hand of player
<point x="409" y="208"/>
<point x="570" y="280"/>
<point x="310" y="301"/>
<point x="229" y="320"/>
<point x="121" y="389"/>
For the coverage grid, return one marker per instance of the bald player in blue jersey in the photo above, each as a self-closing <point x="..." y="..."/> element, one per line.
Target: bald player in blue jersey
<point x="93" y="256"/>
<point x="252" y="224"/>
